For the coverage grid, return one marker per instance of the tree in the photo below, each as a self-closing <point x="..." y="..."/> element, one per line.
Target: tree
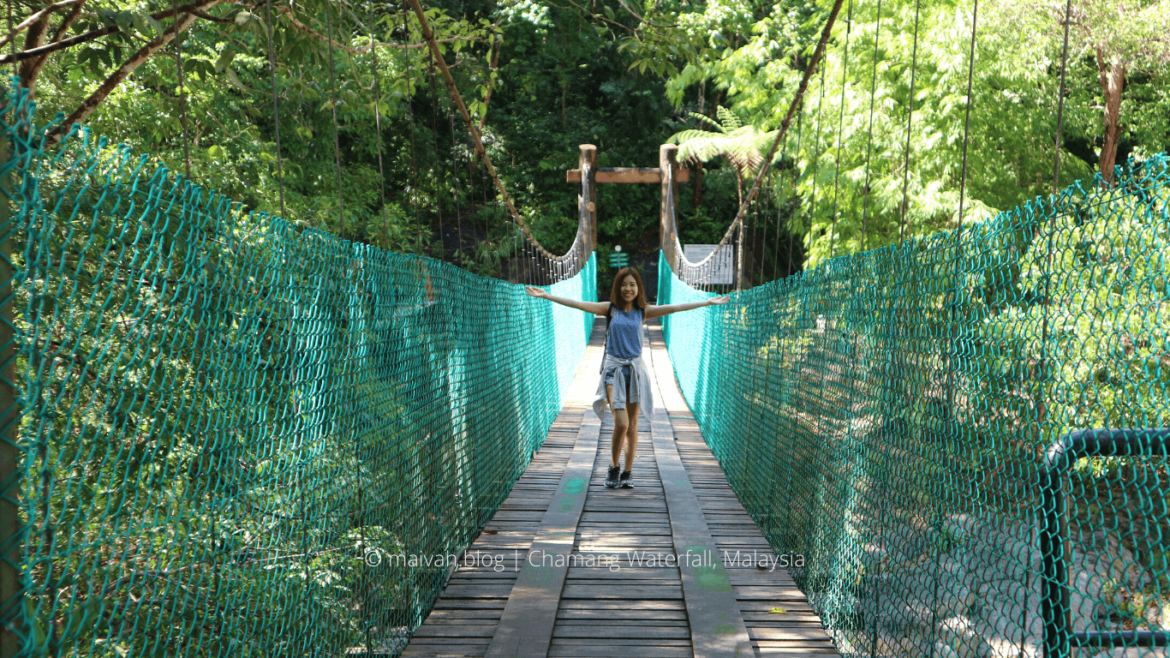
<point x="742" y="145"/>
<point x="106" y="34"/>
<point x="1121" y="38"/>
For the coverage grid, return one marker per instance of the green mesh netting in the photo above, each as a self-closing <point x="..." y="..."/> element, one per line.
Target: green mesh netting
<point x="896" y="418"/>
<point x="231" y="427"/>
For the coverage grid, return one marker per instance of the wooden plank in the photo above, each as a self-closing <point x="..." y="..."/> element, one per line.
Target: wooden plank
<point x="717" y="627"/>
<point x="791" y="634"/>
<point x="609" y="651"/>
<point x="526" y="626"/>
<point x="612" y="631"/>
<point x="608" y="591"/>
<point x="629" y="175"/>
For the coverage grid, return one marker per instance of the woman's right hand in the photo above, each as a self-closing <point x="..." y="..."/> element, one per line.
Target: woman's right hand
<point x="536" y="292"/>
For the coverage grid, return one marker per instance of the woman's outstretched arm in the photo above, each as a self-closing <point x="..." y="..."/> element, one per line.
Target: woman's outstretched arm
<point x="596" y="308"/>
<point x="653" y="311"/>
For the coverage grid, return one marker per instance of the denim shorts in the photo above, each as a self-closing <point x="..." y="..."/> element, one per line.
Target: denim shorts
<point x="609" y="377"/>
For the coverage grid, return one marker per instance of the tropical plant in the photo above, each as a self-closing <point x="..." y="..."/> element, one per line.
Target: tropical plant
<point x="743" y="145"/>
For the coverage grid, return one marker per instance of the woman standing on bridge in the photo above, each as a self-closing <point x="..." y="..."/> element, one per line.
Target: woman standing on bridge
<point x="624" y="381"/>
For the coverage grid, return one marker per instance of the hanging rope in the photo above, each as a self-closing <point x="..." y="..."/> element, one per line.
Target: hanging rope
<point x="684" y="268"/>
<point x="455" y="185"/>
<point x="954" y="299"/>
<point x="336" y="132"/>
<point x="840" y="133"/>
<point x="812" y="66"/>
<point x="410" y="121"/>
<point x="378" y="128"/>
<point x="909" y="125"/>
<point x="12" y="42"/>
<point x="1063" y="91"/>
<point x="795" y="180"/>
<point x="869" y="141"/>
<point x="967" y="124"/>
<point x="438" y="58"/>
<point x="182" y="95"/>
<point x="275" y="107"/>
<point x="812" y="215"/>
<point x="779" y="210"/>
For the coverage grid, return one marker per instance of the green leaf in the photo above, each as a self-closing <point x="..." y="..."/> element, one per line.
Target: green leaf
<point x="225" y="58"/>
<point x="233" y="78"/>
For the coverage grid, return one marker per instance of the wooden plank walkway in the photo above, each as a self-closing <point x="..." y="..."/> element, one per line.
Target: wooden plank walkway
<point x="569" y="568"/>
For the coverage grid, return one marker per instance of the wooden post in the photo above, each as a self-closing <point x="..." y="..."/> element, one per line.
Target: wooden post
<point x="10" y="475"/>
<point x="588" y="156"/>
<point x="667" y="160"/>
<point x="739" y="246"/>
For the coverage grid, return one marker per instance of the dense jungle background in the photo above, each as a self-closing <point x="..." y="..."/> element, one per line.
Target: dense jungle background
<point x="394" y="166"/>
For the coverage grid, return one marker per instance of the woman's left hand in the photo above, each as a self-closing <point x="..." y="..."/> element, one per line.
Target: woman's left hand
<point x="715" y="301"/>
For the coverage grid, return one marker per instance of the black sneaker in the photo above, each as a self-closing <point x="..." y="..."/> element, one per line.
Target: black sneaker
<point x="611" y="480"/>
<point x="626" y="480"/>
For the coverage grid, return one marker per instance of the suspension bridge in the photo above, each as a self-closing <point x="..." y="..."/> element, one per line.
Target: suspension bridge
<point x="229" y="435"/>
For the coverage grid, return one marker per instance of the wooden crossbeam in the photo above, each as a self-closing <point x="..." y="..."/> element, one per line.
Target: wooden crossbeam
<point x="629" y="175"/>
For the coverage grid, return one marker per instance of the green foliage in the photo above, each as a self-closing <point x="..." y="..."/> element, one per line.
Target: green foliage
<point x="1010" y="147"/>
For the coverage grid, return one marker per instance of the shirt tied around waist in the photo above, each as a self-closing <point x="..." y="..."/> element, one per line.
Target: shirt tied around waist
<point x="640" y="391"/>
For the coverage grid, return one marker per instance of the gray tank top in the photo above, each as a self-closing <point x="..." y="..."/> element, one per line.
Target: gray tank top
<point x="625" y="333"/>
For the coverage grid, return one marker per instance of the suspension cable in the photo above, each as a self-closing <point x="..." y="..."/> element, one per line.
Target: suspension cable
<point x="795" y="179"/>
<point x="378" y="128"/>
<point x="869" y="142"/>
<point x="1063" y="91"/>
<point x="816" y="159"/>
<point x="816" y="58"/>
<point x="779" y="209"/>
<point x="909" y="126"/>
<point x="275" y="107"/>
<point x="438" y="58"/>
<point x="410" y="121"/>
<point x="840" y="133"/>
<point x="796" y="102"/>
<point x="954" y="301"/>
<point x="336" y="132"/>
<point x="12" y="47"/>
<point x="967" y="124"/>
<point x="182" y="94"/>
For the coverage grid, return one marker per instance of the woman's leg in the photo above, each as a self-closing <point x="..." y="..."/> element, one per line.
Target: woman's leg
<point x="631" y="434"/>
<point x="620" y="422"/>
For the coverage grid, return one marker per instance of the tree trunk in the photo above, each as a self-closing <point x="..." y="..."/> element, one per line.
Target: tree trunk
<point x="697" y="186"/>
<point x="30" y="69"/>
<point x="1112" y="77"/>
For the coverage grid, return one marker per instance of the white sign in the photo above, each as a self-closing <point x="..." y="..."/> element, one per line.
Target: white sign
<point x="720" y="270"/>
<point x="820" y="324"/>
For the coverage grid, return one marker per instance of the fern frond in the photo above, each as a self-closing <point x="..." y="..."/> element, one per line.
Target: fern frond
<point x="707" y="120"/>
<point x="728" y="118"/>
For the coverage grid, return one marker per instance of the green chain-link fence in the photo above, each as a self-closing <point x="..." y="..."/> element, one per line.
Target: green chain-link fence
<point x="895" y="418"/>
<point x="231" y="428"/>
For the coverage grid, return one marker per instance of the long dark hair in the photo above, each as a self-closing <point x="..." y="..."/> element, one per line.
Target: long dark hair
<point x="615" y="295"/>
